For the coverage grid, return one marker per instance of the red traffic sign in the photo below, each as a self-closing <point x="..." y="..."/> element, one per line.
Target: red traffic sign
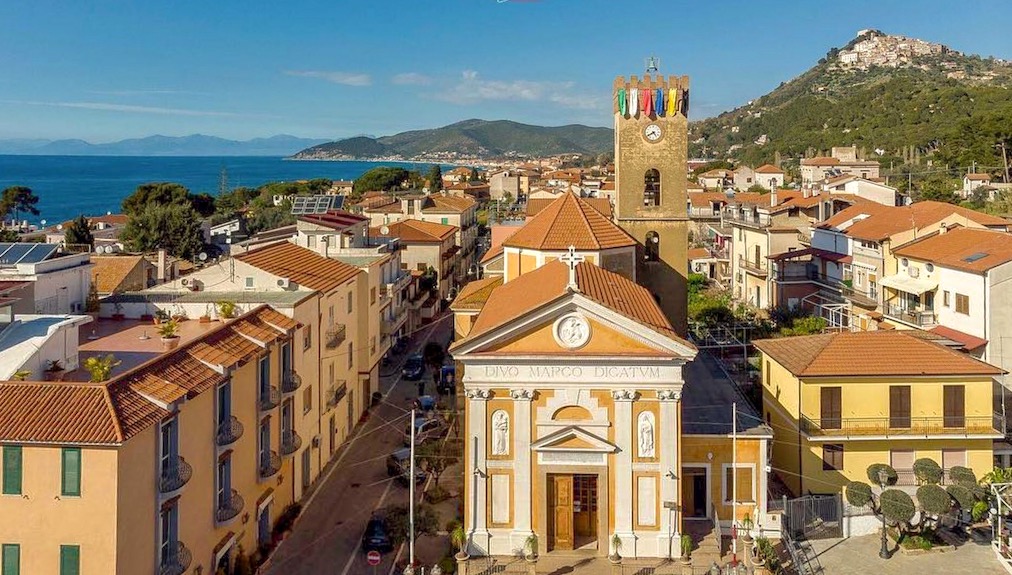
<point x="373" y="557"/>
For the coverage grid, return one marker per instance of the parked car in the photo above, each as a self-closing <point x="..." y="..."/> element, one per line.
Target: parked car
<point x="399" y="466"/>
<point x="377" y="536"/>
<point x="414" y="368"/>
<point x="399" y="346"/>
<point x="425" y="404"/>
<point x="427" y="428"/>
<point x="447" y="379"/>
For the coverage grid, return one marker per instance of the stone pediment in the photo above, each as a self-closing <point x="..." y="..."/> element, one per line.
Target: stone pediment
<point x="573" y="438"/>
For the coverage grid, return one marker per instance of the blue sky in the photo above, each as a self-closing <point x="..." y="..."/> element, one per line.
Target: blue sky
<point x="103" y="70"/>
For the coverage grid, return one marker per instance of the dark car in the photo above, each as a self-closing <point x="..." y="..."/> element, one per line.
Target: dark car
<point x="424" y="404"/>
<point x="377" y="536"/>
<point x="414" y="367"/>
<point x="427" y="428"/>
<point x="399" y="466"/>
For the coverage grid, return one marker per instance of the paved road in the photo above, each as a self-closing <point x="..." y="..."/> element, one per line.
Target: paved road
<point x="327" y="538"/>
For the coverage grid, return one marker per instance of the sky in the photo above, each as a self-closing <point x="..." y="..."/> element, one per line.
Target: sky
<point x="104" y="70"/>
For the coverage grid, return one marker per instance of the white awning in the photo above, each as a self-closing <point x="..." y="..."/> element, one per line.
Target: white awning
<point x="905" y="283"/>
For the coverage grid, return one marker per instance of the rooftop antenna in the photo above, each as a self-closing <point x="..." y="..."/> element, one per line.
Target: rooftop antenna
<point x="653" y="64"/>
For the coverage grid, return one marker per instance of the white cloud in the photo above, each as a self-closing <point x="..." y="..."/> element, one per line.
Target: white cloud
<point x="144" y="92"/>
<point x="345" y="78"/>
<point x="472" y="88"/>
<point x="411" y="79"/>
<point x="104" y="107"/>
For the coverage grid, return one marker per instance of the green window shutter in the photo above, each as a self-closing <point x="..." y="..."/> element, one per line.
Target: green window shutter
<point x="70" y="560"/>
<point x="10" y="560"/>
<point x="71" y="471"/>
<point x="12" y="470"/>
<point x="445" y="221"/>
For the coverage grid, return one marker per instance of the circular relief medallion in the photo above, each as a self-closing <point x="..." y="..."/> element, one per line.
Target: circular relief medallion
<point x="572" y="331"/>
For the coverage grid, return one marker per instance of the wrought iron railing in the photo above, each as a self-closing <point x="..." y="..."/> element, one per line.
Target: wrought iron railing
<point x="290" y="381"/>
<point x="229" y="431"/>
<point x="336" y="394"/>
<point x="175" y="473"/>
<point x="229" y="505"/>
<point x="270" y="398"/>
<point x="905" y="425"/>
<point x="752" y="266"/>
<point x="270" y="464"/>
<point x="335" y="335"/>
<point x="290" y="442"/>
<point x="919" y="318"/>
<point x="175" y="560"/>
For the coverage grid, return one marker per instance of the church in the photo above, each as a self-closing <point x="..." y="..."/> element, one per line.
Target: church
<point x="574" y="366"/>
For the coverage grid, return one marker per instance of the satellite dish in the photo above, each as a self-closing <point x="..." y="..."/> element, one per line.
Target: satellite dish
<point x="43" y="222"/>
<point x="202" y="256"/>
<point x="385" y="231"/>
<point x="58" y="227"/>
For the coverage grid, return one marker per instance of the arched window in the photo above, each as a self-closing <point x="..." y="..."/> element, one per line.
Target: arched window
<point x="652" y="247"/>
<point x="652" y="188"/>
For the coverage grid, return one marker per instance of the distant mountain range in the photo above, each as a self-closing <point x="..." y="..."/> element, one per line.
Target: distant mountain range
<point x="469" y="139"/>
<point x="194" y="145"/>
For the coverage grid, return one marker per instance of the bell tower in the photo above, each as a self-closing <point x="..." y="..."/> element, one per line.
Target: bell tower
<point x="651" y="159"/>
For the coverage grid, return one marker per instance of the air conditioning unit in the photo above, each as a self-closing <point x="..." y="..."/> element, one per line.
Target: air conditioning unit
<point x="914" y="272"/>
<point x="191" y="284"/>
<point x="284" y="283"/>
<point x="316" y="441"/>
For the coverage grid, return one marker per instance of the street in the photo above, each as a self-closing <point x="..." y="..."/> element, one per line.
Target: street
<point x="327" y="537"/>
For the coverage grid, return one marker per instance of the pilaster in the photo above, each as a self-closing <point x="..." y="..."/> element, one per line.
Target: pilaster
<point x="668" y="541"/>
<point x="477" y="406"/>
<point x="623" y="496"/>
<point x="522" y="509"/>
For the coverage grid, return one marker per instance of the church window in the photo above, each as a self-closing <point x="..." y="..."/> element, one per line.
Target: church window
<point x="652" y="188"/>
<point x="652" y="247"/>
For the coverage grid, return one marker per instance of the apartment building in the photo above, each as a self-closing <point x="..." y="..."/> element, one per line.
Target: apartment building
<point x="47" y="280"/>
<point x="424" y="246"/>
<point x="908" y="397"/>
<point x="172" y="466"/>
<point x="841" y="161"/>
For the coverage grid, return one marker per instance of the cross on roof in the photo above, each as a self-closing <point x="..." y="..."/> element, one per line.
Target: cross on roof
<point x="572" y="259"/>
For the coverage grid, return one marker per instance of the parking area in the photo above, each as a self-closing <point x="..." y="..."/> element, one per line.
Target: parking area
<point x="859" y="556"/>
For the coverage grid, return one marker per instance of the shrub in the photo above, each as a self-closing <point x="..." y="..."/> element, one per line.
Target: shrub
<point x="100" y="367"/>
<point x="686" y="544"/>
<point x="448" y="565"/>
<point x="927" y="471"/>
<point x="873" y="470"/>
<point x="962" y="475"/>
<point x="979" y="511"/>
<point x="961" y="495"/>
<point x="934" y="500"/>
<point x="897" y="506"/>
<point x="858" y="493"/>
<point x="452" y="525"/>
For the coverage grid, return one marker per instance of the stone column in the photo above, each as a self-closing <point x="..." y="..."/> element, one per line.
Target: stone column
<point x="477" y="408"/>
<point x="622" y="497"/>
<point x="522" y="509"/>
<point x="668" y="542"/>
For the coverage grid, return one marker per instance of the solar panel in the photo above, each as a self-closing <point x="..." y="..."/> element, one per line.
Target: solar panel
<point x="974" y="257"/>
<point x="25" y="253"/>
<point x="39" y="253"/>
<point x="14" y="254"/>
<point x="308" y="205"/>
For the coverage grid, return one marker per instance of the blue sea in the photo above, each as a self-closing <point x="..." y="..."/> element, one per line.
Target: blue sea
<point x="92" y="185"/>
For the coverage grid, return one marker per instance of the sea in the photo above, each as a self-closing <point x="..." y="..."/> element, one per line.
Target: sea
<point x="68" y="186"/>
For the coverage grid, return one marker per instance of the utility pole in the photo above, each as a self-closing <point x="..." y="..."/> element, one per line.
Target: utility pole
<point x="411" y="505"/>
<point x="734" y="476"/>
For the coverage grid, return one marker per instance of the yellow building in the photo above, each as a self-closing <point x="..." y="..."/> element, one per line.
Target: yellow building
<point x="168" y="467"/>
<point x="840" y="402"/>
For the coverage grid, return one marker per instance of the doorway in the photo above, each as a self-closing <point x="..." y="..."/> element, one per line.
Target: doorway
<point x="560" y="512"/>
<point x="695" y="487"/>
<point x="585" y="511"/>
<point x="572" y="512"/>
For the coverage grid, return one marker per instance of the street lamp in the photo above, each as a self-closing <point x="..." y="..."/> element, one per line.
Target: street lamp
<point x="883" y="477"/>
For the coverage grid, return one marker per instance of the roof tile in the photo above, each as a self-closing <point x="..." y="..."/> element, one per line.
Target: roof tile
<point x="301" y="265"/>
<point x="569" y="221"/>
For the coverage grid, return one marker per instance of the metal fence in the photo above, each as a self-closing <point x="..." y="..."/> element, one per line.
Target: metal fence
<point x="813" y="517"/>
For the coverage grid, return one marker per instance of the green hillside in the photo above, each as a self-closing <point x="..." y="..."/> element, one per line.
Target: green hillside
<point x="472" y="138"/>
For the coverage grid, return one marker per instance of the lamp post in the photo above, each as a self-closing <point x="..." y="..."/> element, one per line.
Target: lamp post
<point x="882" y="479"/>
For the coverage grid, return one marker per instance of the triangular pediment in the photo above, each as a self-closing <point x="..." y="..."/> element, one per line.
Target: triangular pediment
<point x="573" y="438"/>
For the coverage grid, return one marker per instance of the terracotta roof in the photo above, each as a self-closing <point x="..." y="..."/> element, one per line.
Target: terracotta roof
<point x="978" y="177"/>
<point x="707" y="199"/>
<point x="474" y="295"/>
<point x="882" y="353"/>
<point x="698" y="253"/>
<point x="768" y="169"/>
<point x="603" y="205"/>
<point x="967" y="341"/>
<point x="415" y="231"/>
<point x="301" y="265"/>
<point x="109" y="219"/>
<point x="109" y="272"/>
<point x="968" y="249"/>
<point x="376" y="201"/>
<point x="6" y="287"/>
<point x="448" y="203"/>
<point x="334" y="219"/>
<point x="717" y="173"/>
<point x="534" y="289"/>
<point x="491" y="254"/>
<point x="57" y="413"/>
<point x="569" y="221"/>
<point x="820" y="161"/>
<point x="884" y="221"/>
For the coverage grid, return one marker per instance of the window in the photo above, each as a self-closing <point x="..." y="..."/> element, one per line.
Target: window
<point x="962" y="304"/>
<point x="307" y="399"/>
<point x="652" y="247"/>
<point x="372" y="295"/>
<point x="249" y="282"/>
<point x="224" y="403"/>
<point x="307" y="338"/>
<point x="741" y="234"/>
<point x="224" y="480"/>
<point x="831" y="408"/>
<point x="349" y="307"/>
<point x="169" y="520"/>
<point x="286" y="357"/>
<point x="264" y="377"/>
<point x="372" y="344"/>
<point x="444" y="221"/>
<point x="739" y="485"/>
<point x="70" y="560"/>
<point x="945" y="298"/>
<point x="10" y="559"/>
<point x="652" y="188"/>
<point x="954" y="405"/>
<point x="12" y="470"/>
<point x="351" y="355"/>
<point x="899" y="406"/>
<point x="265" y="441"/>
<point x="71" y="476"/>
<point x="832" y="457"/>
<point x="766" y="375"/>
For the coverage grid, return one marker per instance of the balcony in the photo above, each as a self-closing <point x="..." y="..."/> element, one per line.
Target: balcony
<point x="335" y="336"/>
<point x="175" y="473"/>
<point x="290" y="381"/>
<point x="269" y="464"/>
<point x="336" y="394"/>
<point x="229" y="506"/>
<point x="753" y="268"/>
<point x="805" y="238"/>
<point x="914" y="317"/>
<point x="391" y="326"/>
<point x="229" y="431"/>
<point x="748" y="219"/>
<point x="175" y="560"/>
<point x="906" y="478"/>
<point x="290" y="442"/>
<point x="270" y="398"/>
<point x="789" y="274"/>
<point x="858" y="427"/>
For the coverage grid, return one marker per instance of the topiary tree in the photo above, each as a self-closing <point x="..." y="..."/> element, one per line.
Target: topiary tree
<point x="858" y="493"/>
<point x="927" y="472"/>
<point x="897" y="506"/>
<point x="934" y="500"/>
<point x="962" y="475"/>
<point x="962" y="495"/>
<point x="873" y="473"/>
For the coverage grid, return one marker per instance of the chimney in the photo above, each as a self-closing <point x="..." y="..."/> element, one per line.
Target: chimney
<point x="773" y="197"/>
<point x="161" y="266"/>
<point x="805" y="192"/>
<point x="325" y="246"/>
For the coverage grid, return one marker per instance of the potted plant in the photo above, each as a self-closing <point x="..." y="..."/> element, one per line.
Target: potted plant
<point x="458" y="538"/>
<point x="170" y="338"/>
<point x="616" y="546"/>
<point x="91" y="304"/>
<point x="118" y="316"/>
<point x="161" y="316"/>
<point x="100" y="367"/>
<point x="54" y="370"/>
<point x="686" y="544"/>
<point x="746" y="527"/>
<point x="760" y="550"/>
<point x="531" y="548"/>
<point x="22" y="374"/>
<point x="179" y="314"/>
<point x="226" y="310"/>
<point x="206" y="318"/>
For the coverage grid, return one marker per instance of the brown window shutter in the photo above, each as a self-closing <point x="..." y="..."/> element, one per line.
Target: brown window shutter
<point x="831" y="408"/>
<point x="954" y="404"/>
<point x="899" y="406"/>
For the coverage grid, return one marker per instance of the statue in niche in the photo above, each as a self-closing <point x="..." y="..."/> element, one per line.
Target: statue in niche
<point x="500" y="433"/>
<point x="646" y="434"/>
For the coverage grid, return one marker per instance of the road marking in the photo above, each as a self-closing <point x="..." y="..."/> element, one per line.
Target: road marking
<point x="351" y="558"/>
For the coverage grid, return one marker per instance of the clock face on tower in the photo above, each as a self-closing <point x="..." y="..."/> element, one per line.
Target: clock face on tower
<point x="652" y="132"/>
